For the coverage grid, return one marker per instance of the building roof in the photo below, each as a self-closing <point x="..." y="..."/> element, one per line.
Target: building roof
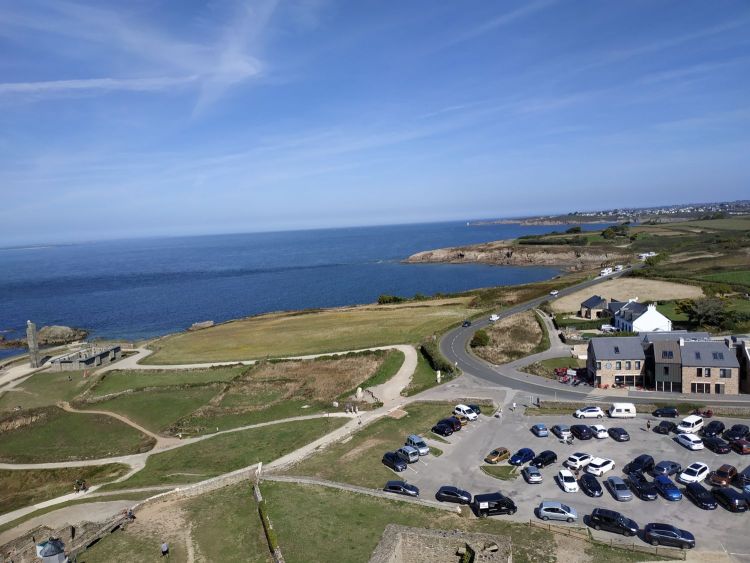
<point x="617" y="348"/>
<point x="675" y="335"/>
<point x="708" y="354"/>
<point x="629" y="311"/>
<point x="667" y="352"/>
<point x="595" y="302"/>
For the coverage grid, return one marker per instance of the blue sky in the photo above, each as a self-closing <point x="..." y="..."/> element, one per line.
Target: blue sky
<point x="146" y="118"/>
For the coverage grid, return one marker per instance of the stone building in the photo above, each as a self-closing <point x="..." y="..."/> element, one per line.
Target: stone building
<point x="616" y="361"/>
<point x="709" y="368"/>
<point x="595" y="307"/>
<point x="87" y="358"/>
<point x="666" y="358"/>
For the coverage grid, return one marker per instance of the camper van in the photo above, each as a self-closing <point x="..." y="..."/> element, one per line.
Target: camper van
<point x="690" y="424"/>
<point x="605" y="272"/>
<point x="622" y="410"/>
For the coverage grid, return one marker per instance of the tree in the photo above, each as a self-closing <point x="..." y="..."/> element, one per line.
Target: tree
<point x="708" y="311"/>
<point x="480" y="338"/>
<point x="574" y="230"/>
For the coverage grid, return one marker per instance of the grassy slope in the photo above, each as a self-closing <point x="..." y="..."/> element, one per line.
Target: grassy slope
<point x="44" y="389"/>
<point x="424" y="377"/>
<point x="546" y="368"/>
<point x="22" y="488"/>
<point x="116" y="381"/>
<point x="228" y="452"/>
<point x="517" y="336"/>
<point x="289" y="334"/>
<point x="63" y="436"/>
<point x="126" y="547"/>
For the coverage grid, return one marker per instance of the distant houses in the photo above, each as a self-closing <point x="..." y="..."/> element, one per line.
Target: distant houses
<point x="627" y="316"/>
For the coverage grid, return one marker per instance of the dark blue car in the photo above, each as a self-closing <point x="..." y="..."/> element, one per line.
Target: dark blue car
<point x="524" y="455"/>
<point x="667" y="488"/>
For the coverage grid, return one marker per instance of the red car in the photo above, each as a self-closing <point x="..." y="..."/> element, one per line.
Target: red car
<point x="742" y="447"/>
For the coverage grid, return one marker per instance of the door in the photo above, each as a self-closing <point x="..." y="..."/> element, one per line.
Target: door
<point x="719" y="388"/>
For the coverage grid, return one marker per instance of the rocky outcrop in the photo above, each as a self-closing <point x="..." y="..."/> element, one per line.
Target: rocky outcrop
<point x="54" y="335"/>
<point x="201" y="325"/>
<point x="504" y="253"/>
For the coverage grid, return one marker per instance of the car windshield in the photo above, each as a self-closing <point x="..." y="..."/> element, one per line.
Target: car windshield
<point x="569" y="478"/>
<point x="565" y="507"/>
<point x="691" y="471"/>
<point x="621" y="486"/>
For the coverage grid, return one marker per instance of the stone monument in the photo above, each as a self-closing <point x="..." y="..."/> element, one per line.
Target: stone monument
<point x="33" y="344"/>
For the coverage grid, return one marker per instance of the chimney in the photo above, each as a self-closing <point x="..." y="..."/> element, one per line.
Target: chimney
<point x="682" y="342"/>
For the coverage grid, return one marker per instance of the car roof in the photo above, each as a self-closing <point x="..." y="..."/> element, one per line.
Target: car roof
<point x="615" y="479"/>
<point x="661" y="526"/>
<point x="663" y="479"/>
<point x="414" y="437"/>
<point x="392" y="483"/>
<point x="551" y="504"/>
<point x="532" y="469"/>
<point x="696" y="465"/>
<point x="448" y="488"/>
<point x="489" y="496"/>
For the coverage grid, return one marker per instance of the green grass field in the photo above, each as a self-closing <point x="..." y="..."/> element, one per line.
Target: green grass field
<point x="502" y="472"/>
<point x="331" y="330"/>
<point x="128" y="547"/>
<point x="424" y="377"/>
<point x="737" y="277"/>
<point x="546" y="368"/>
<point x="44" y="389"/>
<point x="65" y="436"/>
<point x="23" y="488"/>
<point x="117" y="381"/>
<point x="731" y="224"/>
<point x="227" y="452"/>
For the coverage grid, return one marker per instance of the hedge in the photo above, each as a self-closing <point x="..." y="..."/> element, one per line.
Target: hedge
<point x="436" y="360"/>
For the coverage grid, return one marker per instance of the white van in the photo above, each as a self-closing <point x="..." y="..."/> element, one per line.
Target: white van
<point x="494" y="317"/>
<point x="466" y="411"/>
<point x="622" y="410"/>
<point x="690" y="424"/>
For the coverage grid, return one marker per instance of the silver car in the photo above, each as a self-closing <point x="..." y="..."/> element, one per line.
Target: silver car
<point x="532" y="474"/>
<point x="619" y="489"/>
<point x="553" y="510"/>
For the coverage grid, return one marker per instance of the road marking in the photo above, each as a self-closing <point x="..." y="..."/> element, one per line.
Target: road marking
<point x="414" y="470"/>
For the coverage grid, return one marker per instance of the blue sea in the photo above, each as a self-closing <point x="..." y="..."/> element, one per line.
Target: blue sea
<point x="142" y="288"/>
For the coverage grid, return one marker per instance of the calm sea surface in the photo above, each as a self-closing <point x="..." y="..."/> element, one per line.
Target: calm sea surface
<point x="146" y="287"/>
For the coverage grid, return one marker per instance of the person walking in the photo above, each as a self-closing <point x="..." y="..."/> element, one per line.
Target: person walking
<point x="165" y="549"/>
<point x="648" y="425"/>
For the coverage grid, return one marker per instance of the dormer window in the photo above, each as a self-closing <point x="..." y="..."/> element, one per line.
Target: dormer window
<point x="617" y="349"/>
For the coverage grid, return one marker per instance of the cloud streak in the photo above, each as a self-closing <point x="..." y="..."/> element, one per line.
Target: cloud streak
<point x="93" y="84"/>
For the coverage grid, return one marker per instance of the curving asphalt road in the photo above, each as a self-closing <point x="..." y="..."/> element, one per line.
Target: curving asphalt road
<point x="454" y="345"/>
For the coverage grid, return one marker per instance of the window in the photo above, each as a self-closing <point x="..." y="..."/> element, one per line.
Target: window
<point x="699" y="372"/>
<point x="719" y="388"/>
<point x="697" y="355"/>
<point x="667" y="355"/>
<point x="725" y="373"/>
<point x="617" y="349"/>
<point x="666" y="370"/>
<point x="708" y="372"/>
<point x="637" y="364"/>
<point x="628" y="365"/>
<point x="700" y="388"/>
<point x="718" y="355"/>
<point x="598" y="365"/>
<point x="618" y="365"/>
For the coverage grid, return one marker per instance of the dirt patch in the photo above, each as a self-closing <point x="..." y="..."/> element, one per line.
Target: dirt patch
<point x="167" y="522"/>
<point x="398" y="413"/>
<point x="688" y="256"/>
<point x="571" y="550"/>
<point x="628" y="288"/>
<point x="511" y="338"/>
<point x="360" y="448"/>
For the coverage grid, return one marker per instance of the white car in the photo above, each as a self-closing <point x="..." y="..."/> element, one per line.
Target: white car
<point x="578" y="460"/>
<point x="567" y="481"/>
<point x="554" y="293"/>
<point x="690" y="441"/>
<point x="494" y="318"/>
<point x="466" y="411"/>
<point x="599" y="431"/>
<point x="694" y="473"/>
<point x="589" y="412"/>
<point x="599" y="466"/>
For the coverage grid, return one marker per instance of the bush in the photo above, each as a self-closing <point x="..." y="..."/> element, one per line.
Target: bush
<point x="480" y="338"/>
<point x="437" y="361"/>
<point x="386" y="299"/>
<point x="573" y="230"/>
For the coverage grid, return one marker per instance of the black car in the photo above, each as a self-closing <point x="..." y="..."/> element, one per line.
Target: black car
<point x="642" y="487"/>
<point x="730" y="499"/>
<point x="701" y="496"/>
<point x="448" y="493"/>
<point x="466" y="323"/>
<point x="442" y="429"/>
<point x="619" y="434"/>
<point x="666" y="412"/>
<point x="401" y="488"/>
<point x="667" y="468"/>
<point x="742" y="479"/>
<point x="643" y="462"/>
<point x="545" y="458"/>
<point x="475" y="408"/>
<point x="590" y="485"/>
<point x="390" y="459"/>
<point x="665" y="427"/>
<point x="717" y="445"/>
<point x="713" y="428"/>
<point x="666" y="534"/>
<point x="493" y="503"/>
<point x="611" y="521"/>
<point x="581" y="432"/>
<point x="453" y="422"/>
<point x="736" y="432"/>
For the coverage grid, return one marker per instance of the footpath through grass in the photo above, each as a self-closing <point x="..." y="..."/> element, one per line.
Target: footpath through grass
<point x="311" y="332"/>
<point x="44" y="389"/>
<point x="228" y="452"/>
<point x="424" y="377"/>
<point x="118" y="381"/>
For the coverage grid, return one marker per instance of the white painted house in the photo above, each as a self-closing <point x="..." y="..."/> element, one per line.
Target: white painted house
<point x="637" y="317"/>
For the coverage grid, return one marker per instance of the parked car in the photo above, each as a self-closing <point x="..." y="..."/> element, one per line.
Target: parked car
<point x="408" y="454"/>
<point x="553" y="510"/>
<point x="742" y="446"/>
<point x="465" y="410"/>
<point x="599" y="431"/>
<point x="466" y="323"/>
<point x="562" y="431"/>
<point x="394" y="461"/>
<point x="701" y="497"/>
<point x="494" y="318"/>
<point x="418" y="443"/>
<point x="690" y="424"/>
<point x="476" y="408"/>
<point x="554" y="293"/>
<point x="736" y="432"/>
<point x="540" y="430"/>
<point x="619" y="434"/>
<point x="497" y="455"/>
<point x="665" y="427"/>
<point x="524" y="455"/>
<point x="590" y="485"/>
<point x="723" y="476"/>
<point x="667" y="488"/>
<point x="491" y="504"/>
<point x="694" y="473"/>
<point x="643" y="462"/>
<point x="443" y="429"/>
<point x="730" y="499"/>
<point x="462" y="419"/>
<point x="453" y="422"/>
<point x="449" y="493"/>
<point x="743" y="478"/>
<point x="532" y="474"/>
<point x="567" y="481"/>
<point x="642" y="487"/>
<point x="589" y="412"/>
<point x="666" y="534"/>
<point x="666" y="467"/>
<point x="618" y="489"/>
<point x="713" y="428"/>
<point x="666" y="412"/>
<point x="401" y="488"/>
<point x="599" y="466"/>
<point x="581" y="432"/>
<point x="717" y="445"/>
<point x="545" y="458"/>
<point x="690" y="441"/>
<point x="612" y="521"/>
<point x="578" y="460"/>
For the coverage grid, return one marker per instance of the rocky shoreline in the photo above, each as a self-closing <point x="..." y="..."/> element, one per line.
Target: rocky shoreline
<point x="48" y="336"/>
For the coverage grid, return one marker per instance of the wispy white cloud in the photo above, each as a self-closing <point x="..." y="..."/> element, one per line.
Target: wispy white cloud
<point x="129" y="84"/>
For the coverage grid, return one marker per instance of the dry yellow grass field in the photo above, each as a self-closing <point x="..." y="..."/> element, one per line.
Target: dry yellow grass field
<point x="628" y="288"/>
<point x="511" y="338"/>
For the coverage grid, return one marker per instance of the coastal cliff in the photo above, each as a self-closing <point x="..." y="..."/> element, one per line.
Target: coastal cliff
<point x="504" y="253"/>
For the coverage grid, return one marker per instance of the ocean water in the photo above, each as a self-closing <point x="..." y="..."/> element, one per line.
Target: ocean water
<point x="146" y="287"/>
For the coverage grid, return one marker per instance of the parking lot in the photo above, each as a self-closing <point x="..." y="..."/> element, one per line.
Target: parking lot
<point x="717" y="530"/>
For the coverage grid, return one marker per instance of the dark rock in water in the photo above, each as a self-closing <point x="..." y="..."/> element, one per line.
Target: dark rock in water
<point x="53" y="335"/>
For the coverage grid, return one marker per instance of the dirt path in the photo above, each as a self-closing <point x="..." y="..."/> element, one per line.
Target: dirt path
<point x="389" y="392"/>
